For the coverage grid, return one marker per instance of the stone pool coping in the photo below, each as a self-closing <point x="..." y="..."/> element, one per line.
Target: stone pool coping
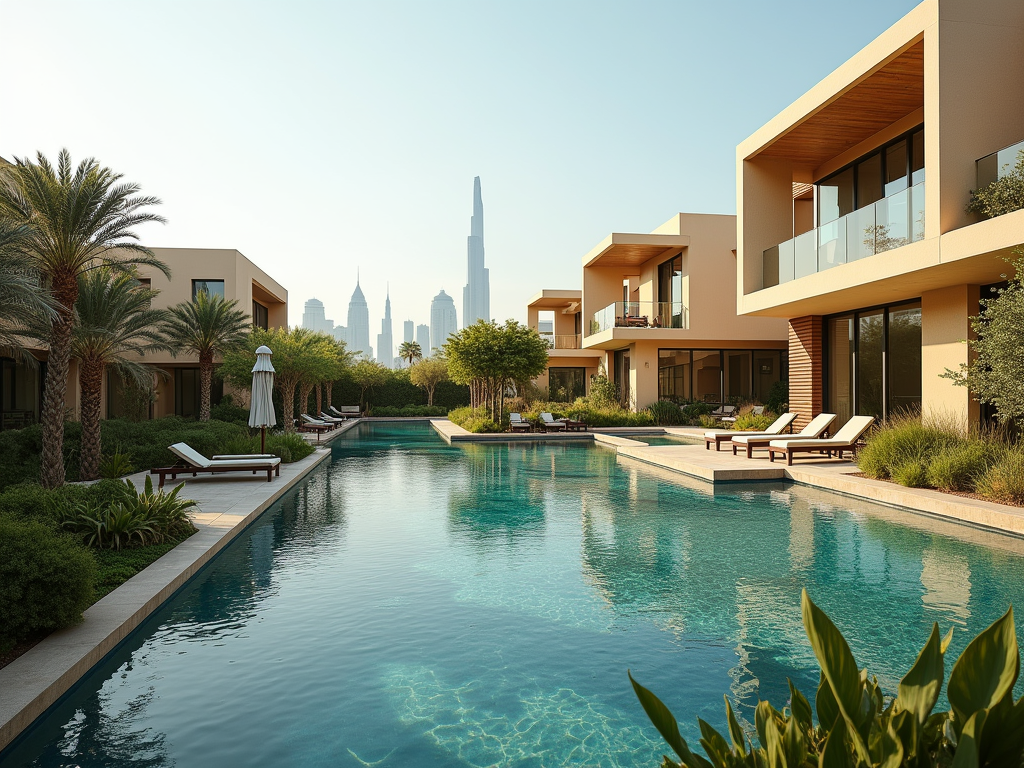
<point x="227" y="505"/>
<point x="453" y="433"/>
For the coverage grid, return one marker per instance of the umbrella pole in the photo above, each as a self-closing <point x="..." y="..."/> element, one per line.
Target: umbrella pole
<point x="263" y="439"/>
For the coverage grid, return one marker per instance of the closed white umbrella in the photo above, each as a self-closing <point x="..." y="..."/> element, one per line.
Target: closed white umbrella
<point x="261" y="407"/>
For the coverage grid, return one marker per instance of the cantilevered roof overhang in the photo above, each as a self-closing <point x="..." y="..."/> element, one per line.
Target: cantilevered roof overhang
<point x="631" y="250"/>
<point x="555" y="299"/>
<point x="878" y="86"/>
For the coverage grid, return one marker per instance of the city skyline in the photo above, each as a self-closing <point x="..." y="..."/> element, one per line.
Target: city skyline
<point x="476" y="295"/>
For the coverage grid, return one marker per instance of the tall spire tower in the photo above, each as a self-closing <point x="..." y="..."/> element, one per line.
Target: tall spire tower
<point x="476" y="296"/>
<point x="385" y="342"/>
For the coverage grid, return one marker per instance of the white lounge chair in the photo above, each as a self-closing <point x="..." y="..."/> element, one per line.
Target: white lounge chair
<point x="331" y="419"/>
<point x="844" y="440"/>
<point x="347" y="411"/>
<point x="517" y="422"/>
<point x="192" y="462"/>
<point x="816" y="428"/>
<point x="548" y="422"/>
<point x="719" y="436"/>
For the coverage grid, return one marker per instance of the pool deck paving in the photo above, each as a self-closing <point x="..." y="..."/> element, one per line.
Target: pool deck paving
<point x="226" y="505"/>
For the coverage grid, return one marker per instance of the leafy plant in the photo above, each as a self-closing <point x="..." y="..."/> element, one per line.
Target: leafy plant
<point x="428" y="374"/>
<point x="777" y="399"/>
<point x="115" y="465"/>
<point x="858" y="726"/>
<point x="1004" y="195"/>
<point x="1004" y="480"/>
<point x="960" y="467"/>
<point x="753" y="422"/>
<point x="708" y="421"/>
<point x="665" y="413"/>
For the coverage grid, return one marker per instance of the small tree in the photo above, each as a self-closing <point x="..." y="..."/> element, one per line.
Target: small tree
<point x="410" y="351"/>
<point x="428" y="374"/>
<point x="491" y="357"/>
<point x="207" y="326"/>
<point x="368" y="374"/>
<point x="996" y="374"/>
<point x="1004" y="195"/>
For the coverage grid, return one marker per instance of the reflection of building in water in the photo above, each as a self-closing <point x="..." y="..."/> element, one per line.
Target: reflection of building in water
<point x="946" y="578"/>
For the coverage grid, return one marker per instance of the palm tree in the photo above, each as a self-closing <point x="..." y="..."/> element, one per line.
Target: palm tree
<point x="410" y="351"/>
<point x="74" y="219"/>
<point x="21" y="296"/>
<point x="116" y="322"/>
<point x="207" y="326"/>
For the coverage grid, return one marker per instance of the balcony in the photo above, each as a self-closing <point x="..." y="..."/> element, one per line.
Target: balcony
<point x="889" y="223"/>
<point x="640" y="314"/>
<point x="562" y="341"/>
<point x="993" y="167"/>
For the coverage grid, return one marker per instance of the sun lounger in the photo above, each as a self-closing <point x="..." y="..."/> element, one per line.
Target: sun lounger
<point x="309" y="424"/>
<point x="719" y="436"/>
<point x="573" y="425"/>
<point x="845" y="440"/>
<point x="331" y="419"/>
<point x="724" y="412"/>
<point x="517" y="422"/>
<point x="815" y="429"/>
<point x="548" y="422"/>
<point x="347" y="411"/>
<point x="191" y="462"/>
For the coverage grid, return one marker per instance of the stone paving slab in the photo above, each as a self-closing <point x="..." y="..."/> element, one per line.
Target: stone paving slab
<point x="227" y="504"/>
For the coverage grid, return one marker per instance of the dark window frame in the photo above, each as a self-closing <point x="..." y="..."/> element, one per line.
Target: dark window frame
<point x="879" y="150"/>
<point x="208" y="280"/>
<point x="256" y="315"/>
<point x="826" y="356"/>
<point x="783" y="366"/>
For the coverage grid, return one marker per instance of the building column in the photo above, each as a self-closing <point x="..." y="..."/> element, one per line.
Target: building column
<point x="945" y="325"/>
<point x="643" y="360"/>
<point x="805" y="372"/>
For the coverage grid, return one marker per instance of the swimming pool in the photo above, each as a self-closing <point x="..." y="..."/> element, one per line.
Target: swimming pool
<point x="418" y="604"/>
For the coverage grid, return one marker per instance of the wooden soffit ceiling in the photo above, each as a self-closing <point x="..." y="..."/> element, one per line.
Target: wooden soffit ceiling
<point x="632" y="250"/>
<point x="885" y="96"/>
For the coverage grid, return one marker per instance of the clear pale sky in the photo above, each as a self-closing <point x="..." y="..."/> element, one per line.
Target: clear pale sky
<point x="318" y="137"/>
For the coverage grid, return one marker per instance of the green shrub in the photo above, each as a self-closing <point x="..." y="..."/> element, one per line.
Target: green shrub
<point x="903" y="441"/>
<point x="288" y="445"/>
<point x="693" y="411"/>
<point x="858" y="726"/>
<point x="777" y="400"/>
<point x="1004" y="480"/>
<point x="32" y="501"/>
<point x="408" y="410"/>
<point x="226" y="410"/>
<point x="959" y="467"/>
<point x="913" y="473"/>
<point x="753" y="422"/>
<point x="708" y="421"/>
<point x="148" y="440"/>
<point x="473" y="420"/>
<point x="115" y="465"/>
<point x="665" y="413"/>
<point x="46" y="580"/>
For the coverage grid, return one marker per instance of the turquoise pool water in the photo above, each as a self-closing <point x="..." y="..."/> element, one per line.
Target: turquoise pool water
<point x="662" y="440"/>
<point x="416" y="604"/>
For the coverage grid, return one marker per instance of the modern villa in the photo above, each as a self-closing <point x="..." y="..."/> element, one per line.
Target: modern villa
<point x="225" y="272"/>
<point x="657" y="311"/>
<point x="852" y="222"/>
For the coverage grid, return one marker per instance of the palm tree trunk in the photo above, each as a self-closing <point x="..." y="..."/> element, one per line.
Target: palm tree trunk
<point x="304" y="390"/>
<point x="430" y="395"/>
<point x="205" y="384"/>
<point x="319" y="401"/>
<point x="51" y="471"/>
<point x="90" y="380"/>
<point x="328" y="392"/>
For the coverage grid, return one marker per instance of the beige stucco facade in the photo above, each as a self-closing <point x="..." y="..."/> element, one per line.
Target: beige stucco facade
<point x="949" y="68"/>
<point x="243" y="281"/>
<point x="564" y="340"/>
<point x="627" y="307"/>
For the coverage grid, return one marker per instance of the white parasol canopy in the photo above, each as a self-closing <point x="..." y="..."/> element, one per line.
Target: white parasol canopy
<point x="261" y="409"/>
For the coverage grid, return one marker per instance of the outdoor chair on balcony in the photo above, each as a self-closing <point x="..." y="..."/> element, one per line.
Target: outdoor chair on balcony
<point x="845" y="439"/>
<point x="549" y="424"/>
<point x="192" y="462"/>
<point x="815" y="429"/>
<point x="719" y="436"/>
<point x="516" y="423"/>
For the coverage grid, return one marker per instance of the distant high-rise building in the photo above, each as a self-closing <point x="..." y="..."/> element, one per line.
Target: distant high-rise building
<point x="315" y="318"/>
<point x="358" y="328"/>
<point x="423" y="339"/>
<point x="408" y="329"/>
<point x="385" y="341"/>
<point x="443" y="321"/>
<point x="476" y="296"/>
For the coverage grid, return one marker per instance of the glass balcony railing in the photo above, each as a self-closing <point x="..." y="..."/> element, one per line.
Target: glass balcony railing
<point x="561" y="341"/>
<point x="889" y="223"/>
<point x="640" y="314"/>
<point x="993" y="167"/>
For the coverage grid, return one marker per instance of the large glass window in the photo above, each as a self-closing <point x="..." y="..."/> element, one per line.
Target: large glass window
<point x="566" y="384"/>
<point x="210" y="287"/>
<point x="769" y="368"/>
<point x="874" y="362"/>
<point x="904" y="358"/>
<point x="621" y="358"/>
<point x="869" y="180"/>
<point x="895" y="168"/>
<point x="674" y="375"/>
<point x="835" y="196"/>
<point x="186" y="392"/>
<point x="20" y="393"/>
<point x="737" y="374"/>
<point x="260" y="316"/>
<point x="707" y="376"/>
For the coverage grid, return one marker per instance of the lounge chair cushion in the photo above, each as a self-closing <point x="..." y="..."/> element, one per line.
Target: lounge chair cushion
<point x="189" y="455"/>
<point x="244" y="463"/>
<point x="844" y="438"/>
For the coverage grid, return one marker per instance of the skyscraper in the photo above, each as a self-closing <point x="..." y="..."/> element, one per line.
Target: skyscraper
<point x="385" y="342"/>
<point x="408" y="328"/>
<point x="358" y="334"/>
<point x="423" y="339"/>
<point x="315" y="317"/>
<point x="476" y="296"/>
<point x="443" y="320"/>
